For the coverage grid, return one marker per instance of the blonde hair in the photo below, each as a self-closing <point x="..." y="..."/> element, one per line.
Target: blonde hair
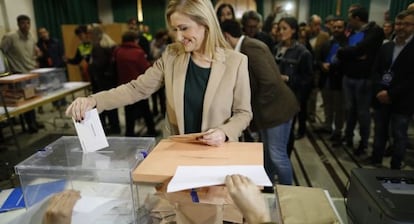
<point x="99" y="37"/>
<point x="201" y="12"/>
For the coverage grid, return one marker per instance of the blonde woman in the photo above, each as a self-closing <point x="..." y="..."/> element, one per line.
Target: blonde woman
<point x="206" y="83"/>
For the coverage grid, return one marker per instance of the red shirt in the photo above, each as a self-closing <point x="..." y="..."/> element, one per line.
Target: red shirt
<point x="130" y="62"/>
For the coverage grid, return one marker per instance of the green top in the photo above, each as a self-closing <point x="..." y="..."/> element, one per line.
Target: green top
<point x="195" y="87"/>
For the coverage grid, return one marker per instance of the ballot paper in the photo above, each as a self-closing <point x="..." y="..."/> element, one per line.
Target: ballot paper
<point x="188" y="138"/>
<point x="90" y="132"/>
<point x="188" y="177"/>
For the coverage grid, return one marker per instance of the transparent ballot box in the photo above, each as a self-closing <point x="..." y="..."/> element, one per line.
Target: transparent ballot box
<point x="18" y="88"/>
<point x="102" y="177"/>
<point x="50" y="79"/>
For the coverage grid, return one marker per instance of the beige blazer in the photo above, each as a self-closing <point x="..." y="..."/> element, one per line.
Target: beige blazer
<point x="226" y="101"/>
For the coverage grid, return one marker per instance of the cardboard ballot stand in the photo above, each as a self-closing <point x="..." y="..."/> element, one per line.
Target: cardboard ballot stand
<point x="297" y="204"/>
<point x="215" y="204"/>
<point x="161" y="163"/>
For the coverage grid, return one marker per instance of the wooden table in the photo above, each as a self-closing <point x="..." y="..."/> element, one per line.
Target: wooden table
<point x="69" y="88"/>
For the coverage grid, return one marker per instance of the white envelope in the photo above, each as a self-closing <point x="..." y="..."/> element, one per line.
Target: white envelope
<point x="90" y="132"/>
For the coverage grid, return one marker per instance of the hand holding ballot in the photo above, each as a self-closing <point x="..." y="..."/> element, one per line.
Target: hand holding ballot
<point x="60" y="207"/>
<point x="213" y="137"/>
<point x="79" y="107"/>
<point x="247" y="197"/>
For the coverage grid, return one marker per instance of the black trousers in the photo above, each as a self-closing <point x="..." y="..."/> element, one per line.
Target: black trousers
<point x="133" y="112"/>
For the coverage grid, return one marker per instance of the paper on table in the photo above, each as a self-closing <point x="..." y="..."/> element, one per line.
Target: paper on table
<point x="89" y="209"/>
<point x="89" y="203"/>
<point x="187" y="177"/>
<point x="90" y="132"/>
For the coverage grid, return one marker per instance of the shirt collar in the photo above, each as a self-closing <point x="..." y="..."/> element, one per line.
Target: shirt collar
<point x="238" y="45"/>
<point x="21" y="35"/>
<point x="406" y="41"/>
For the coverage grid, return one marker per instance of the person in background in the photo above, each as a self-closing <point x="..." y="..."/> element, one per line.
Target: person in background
<point x="273" y="103"/>
<point x="317" y="39"/>
<point x="158" y="46"/>
<point x="51" y="50"/>
<point x="331" y="67"/>
<point x="21" y="52"/>
<point x="103" y="75"/>
<point x="393" y="91"/>
<point x="329" y="20"/>
<point x="51" y="57"/>
<point x="225" y="12"/>
<point x="388" y="28"/>
<point x="83" y="52"/>
<point x="295" y="64"/>
<point x="251" y="24"/>
<point x="4" y="71"/>
<point x="274" y="33"/>
<point x="146" y="32"/>
<point x="274" y="16"/>
<point x="358" y="57"/>
<point x="142" y="41"/>
<point x="410" y="6"/>
<point x="304" y="34"/>
<point x="349" y="29"/>
<point x="130" y="62"/>
<point x="206" y="83"/>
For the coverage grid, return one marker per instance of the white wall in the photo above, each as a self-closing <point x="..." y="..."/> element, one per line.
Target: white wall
<point x="10" y="9"/>
<point x="105" y="11"/>
<point x="377" y="9"/>
<point x="303" y="8"/>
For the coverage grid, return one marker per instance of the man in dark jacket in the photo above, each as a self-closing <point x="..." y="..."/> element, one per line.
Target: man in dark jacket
<point x="332" y="69"/>
<point x="251" y="26"/>
<point x="131" y="62"/>
<point x="83" y="52"/>
<point x="273" y="103"/>
<point x="51" y="48"/>
<point x="358" y="58"/>
<point x="393" y="91"/>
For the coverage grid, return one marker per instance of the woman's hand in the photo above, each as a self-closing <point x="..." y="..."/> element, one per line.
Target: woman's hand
<point x="79" y="107"/>
<point x="285" y="78"/>
<point x="60" y="207"/>
<point x="213" y="137"/>
<point x="247" y="197"/>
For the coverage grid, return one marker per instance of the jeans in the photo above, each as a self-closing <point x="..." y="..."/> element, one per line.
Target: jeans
<point x="382" y="118"/>
<point x="399" y="128"/>
<point x="357" y="95"/>
<point x="133" y="112"/>
<point x="276" y="159"/>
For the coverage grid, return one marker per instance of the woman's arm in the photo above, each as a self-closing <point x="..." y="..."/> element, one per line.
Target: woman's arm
<point x="241" y="108"/>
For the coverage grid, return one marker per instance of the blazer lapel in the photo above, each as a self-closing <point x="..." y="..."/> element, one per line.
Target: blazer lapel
<point x="389" y="54"/>
<point x="217" y="72"/>
<point x="179" y="73"/>
<point x="406" y="48"/>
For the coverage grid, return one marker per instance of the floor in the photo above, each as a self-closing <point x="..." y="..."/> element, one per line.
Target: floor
<point x="316" y="163"/>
